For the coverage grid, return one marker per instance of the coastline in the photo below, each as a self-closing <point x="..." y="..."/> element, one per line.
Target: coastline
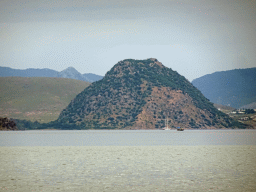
<point x="172" y="129"/>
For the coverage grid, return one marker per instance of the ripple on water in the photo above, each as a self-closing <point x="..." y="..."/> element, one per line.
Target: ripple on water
<point x="145" y="168"/>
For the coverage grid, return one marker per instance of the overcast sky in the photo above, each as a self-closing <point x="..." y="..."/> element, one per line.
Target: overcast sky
<point x="193" y="37"/>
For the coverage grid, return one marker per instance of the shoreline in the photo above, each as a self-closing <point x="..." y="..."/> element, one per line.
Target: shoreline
<point x="127" y="129"/>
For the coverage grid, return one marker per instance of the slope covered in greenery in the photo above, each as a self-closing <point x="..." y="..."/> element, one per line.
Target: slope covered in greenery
<point x="140" y="94"/>
<point x="37" y="98"/>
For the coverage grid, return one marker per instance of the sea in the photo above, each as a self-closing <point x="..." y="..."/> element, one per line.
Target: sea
<point x="128" y="160"/>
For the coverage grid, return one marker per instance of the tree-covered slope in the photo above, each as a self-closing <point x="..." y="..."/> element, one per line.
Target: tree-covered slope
<point x="234" y="88"/>
<point x="140" y="94"/>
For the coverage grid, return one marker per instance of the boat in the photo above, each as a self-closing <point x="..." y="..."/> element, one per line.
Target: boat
<point x="180" y="129"/>
<point x="166" y="125"/>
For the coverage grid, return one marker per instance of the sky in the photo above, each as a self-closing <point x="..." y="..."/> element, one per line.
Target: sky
<point x="192" y="37"/>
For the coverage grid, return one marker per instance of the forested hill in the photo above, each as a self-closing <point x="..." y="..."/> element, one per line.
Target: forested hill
<point x="234" y="88"/>
<point x="140" y="94"/>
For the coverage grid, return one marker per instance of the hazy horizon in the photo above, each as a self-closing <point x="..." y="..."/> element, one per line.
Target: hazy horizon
<point x="194" y="38"/>
<point x="104" y="74"/>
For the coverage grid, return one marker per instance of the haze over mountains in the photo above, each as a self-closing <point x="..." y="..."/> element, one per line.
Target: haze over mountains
<point x="70" y="72"/>
<point x="235" y="88"/>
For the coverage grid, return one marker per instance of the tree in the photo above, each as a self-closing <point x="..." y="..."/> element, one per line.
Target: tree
<point x="249" y="111"/>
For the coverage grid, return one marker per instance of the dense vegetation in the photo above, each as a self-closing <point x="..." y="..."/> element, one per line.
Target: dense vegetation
<point x="7" y="124"/>
<point x="118" y="99"/>
<point x="234" y="88"/>
<point x="249" y="111"/>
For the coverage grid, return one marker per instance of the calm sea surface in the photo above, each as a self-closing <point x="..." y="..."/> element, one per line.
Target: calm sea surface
<point x="141" y="160"/>
<point x="127" y="138"/>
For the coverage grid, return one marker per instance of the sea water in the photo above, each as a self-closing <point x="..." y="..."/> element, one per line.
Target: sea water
<point x="136" y="160"/>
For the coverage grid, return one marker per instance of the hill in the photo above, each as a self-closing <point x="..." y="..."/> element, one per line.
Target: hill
<point x="141" y="94"/>
<point x="9" y="72"/>
<point x="70" y="72"/>
<point x="37" y="98"/>
<point x="249" y="106"/>
<point x="90" y="77"/>
<point x="234" y="88"/>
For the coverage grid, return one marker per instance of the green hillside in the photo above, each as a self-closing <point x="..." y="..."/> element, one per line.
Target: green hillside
<point x="141" y="94"/>
<point x="37" y="98"/>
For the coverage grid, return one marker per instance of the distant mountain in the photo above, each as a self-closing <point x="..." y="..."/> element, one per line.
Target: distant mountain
<point x="92" y="77"/>
<point x="141" y="94"/>
<point x="37" y="98"/>
<point x="70" y="72"/>
<point x="249" y="106"/>
<point x="235" y="88"/>
<point x="9" y="72"/>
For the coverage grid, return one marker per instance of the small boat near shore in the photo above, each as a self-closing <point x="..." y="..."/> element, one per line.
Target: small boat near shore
<point x="167" y="128"/>
<point x="180" y="129"/>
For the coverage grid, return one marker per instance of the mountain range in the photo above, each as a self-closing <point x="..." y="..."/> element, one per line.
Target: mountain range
<point x="70" y="72"/>
<point x="141" y="94"/>
<point x="126" y="97"/>
<point x="235" y="88"/>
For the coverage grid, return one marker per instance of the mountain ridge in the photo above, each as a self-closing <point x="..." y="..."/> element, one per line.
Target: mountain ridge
<point x="235" y="88"/>
<point x="69" y="72"/>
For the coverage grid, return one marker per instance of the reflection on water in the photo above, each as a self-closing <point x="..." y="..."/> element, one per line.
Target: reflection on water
<point x="124" y="164"/>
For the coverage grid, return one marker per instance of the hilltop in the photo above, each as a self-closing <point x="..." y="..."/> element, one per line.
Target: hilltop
<point x="235" y="88"/>
<point x="72" y="73"/>
<point x="37" y="98"/>
<point x="141" y="94"/>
